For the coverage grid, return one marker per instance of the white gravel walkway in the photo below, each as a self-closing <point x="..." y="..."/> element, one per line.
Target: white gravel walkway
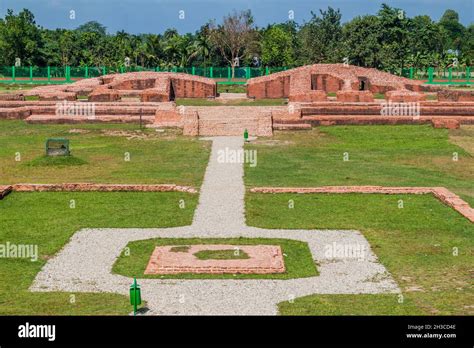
<point x="85" y="263"/>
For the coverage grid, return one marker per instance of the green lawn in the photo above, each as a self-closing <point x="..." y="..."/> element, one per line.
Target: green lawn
<point x="236" y="88"/>
<point x="377" y="155"/>
<point x="298" y="260"/>
<point x="415" y="243"/>
<point x="100" y="155"/>
<point x="46" y="220"/>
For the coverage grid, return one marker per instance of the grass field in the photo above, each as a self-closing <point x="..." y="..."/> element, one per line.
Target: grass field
<point x="377" y="155"/>
<point x="46" y="220"/>
<point x="298" y="260"/>
<point x="415" y="243"/>
<point x="100" y="154"/>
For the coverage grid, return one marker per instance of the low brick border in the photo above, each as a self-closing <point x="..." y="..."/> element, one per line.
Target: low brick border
<point x="88" y="187"/>
<point x="441" y="193"/>
<point x="5" y="190"/>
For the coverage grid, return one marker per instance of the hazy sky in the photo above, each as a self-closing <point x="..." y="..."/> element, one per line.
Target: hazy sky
<point x="155" y="16"/>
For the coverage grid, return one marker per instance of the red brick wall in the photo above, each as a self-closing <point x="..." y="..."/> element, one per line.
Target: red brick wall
<point x="325" y="82"/>
<point x="184" y="88"/>
<point x="276" y="88"/>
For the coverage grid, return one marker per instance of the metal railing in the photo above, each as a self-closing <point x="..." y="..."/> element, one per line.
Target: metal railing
<point x="223" y="75"/>
<point x="67" y="74"/>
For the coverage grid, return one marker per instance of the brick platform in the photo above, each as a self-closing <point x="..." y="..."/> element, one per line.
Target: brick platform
<point x="263" y="259"/>
<point x="441" y="193"/>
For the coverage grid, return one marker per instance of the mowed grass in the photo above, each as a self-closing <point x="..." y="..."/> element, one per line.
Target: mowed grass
<point x="426" y="246"/>
<point x="102" y="153"/>
<point x="297" y="257"/>
<point x="46" y="220"/>
<point x="377" y="155"/>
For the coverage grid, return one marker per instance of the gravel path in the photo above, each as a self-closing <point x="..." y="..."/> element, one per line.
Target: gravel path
<point x="85" y="263"/>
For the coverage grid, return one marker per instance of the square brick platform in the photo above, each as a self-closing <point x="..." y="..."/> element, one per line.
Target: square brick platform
<point x="263" y="259"/>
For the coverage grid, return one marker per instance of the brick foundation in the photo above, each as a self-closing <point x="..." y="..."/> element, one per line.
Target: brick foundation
<point x="262" y="259"/>
<point x="88" y="187"/>
<point x="348" y="96"/>
<point x="405" y="96"/>
<point x="5" y="190"/>
<point x="456" y="96"/>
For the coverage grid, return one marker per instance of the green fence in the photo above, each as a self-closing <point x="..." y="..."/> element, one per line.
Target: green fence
<point x="223" y="75"/>
<point x="67" y="74"/>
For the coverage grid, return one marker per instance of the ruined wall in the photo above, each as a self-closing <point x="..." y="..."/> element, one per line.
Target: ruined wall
<point x="272" y="89"/>
<point x="189" y="88"/>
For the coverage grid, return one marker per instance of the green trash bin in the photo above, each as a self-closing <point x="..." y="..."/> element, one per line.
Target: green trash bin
<point x="135" y="295"/>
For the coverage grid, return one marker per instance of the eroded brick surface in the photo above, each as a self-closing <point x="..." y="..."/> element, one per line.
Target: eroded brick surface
<point x="262" y="259"/>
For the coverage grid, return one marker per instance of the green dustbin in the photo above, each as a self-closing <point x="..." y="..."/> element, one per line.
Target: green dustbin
<point x="135" y="294"/>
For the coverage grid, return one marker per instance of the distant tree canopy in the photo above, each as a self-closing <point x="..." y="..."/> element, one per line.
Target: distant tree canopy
<point x="386" y="40"/>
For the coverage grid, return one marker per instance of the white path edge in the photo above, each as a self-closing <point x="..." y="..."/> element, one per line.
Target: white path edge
<point x="85" y="263"/>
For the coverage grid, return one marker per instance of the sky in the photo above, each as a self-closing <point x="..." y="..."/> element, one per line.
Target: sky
<point x="155" y="16"/>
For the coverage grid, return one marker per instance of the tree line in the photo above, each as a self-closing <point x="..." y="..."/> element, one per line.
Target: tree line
<point x="387" y="40"/>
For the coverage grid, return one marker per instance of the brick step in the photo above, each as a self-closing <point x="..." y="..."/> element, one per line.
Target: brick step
<point x="45" y="118"/>
<point x="291" y="126"/>
<point x="289" y="120"/>
<point x="14" y="113"/>
<point x="433" y="103"/>
<point x="100" y="110"/>
<point x="228" y="126"/>
<point x="368" y="119"/>
<point x="376" y="110"/>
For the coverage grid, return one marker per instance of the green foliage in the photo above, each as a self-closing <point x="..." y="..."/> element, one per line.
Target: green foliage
<point x="321" y="37"/>
<point x="20" y="37"/>
<point x="386" y="40"/>
<point x="277" y="47"/>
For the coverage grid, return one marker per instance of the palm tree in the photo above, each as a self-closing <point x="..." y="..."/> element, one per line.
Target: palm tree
<point x="201" y="49"/>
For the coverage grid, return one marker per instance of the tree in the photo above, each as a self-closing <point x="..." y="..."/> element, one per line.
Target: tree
<point x="20" y="37"/>
<point x="234" y="37"/>
<point x="92" y="27"/>
<point x="321" y="37"/>
<point x="277" y="47"/>
<point x="361" y="39"/>
<point x="394" y="37"/>
<point x="455" y="30"/>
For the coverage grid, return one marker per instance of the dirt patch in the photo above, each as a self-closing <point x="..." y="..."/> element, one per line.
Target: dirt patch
<point x="168" y="133"/>
<point x="78" y="131"/>
<point x="273" y="142"/>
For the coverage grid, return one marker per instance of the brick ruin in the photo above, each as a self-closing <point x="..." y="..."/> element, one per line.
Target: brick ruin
<point x="320" y="94"/>
<point x="311" y="83"/>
